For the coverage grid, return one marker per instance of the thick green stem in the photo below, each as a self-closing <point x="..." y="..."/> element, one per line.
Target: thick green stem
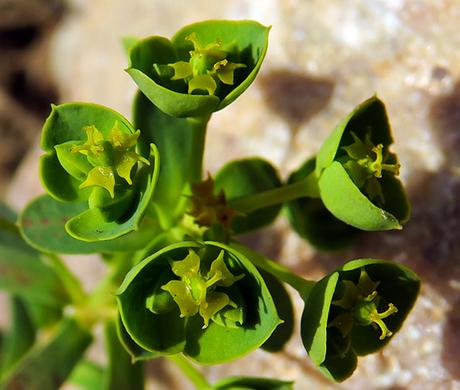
<point x="300" y="284"/>
<point x="195" y="376"/>
<point x="199" y="125"/>
<point x="71" y="282"/>
<point x="307" y="187"/>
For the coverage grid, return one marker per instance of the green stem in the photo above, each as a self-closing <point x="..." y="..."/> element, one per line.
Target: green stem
<point x="199" y="125"/>
<point x="195" y="376"/>
<point x="281" y="272"/>
<point x="307" y="187"/>
<point x="9" y="226"/>
<point x="71" y="282"/>
<point x="101" y="304"/>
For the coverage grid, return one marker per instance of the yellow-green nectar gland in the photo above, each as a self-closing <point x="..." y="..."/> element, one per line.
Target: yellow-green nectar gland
<point x="195" y="292"/>
<point x="206" y="67"/>
<point x="360" y="302"/>
<point x="109" y="157"/>
<point x="365" y="165"/>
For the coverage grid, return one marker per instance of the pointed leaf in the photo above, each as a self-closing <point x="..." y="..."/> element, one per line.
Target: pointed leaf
<point x="42" y="225"/>
<point x="39" y="371"/>
<point x="20" y="337"/>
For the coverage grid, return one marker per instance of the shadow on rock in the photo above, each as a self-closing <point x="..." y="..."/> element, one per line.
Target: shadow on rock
<point x="451" y="341"/>
<point x="295" y="96"/>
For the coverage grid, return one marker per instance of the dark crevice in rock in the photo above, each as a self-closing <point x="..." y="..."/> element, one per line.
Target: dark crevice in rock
<point x="26" y="85"/>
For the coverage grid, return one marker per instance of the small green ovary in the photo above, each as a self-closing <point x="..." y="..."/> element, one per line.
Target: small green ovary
<point x="108" y="158"/>
<point x="359" y="305"/>
<point x="196" y="291"/>
<point x="365" y="163"/>
<point x="207" y="67"/>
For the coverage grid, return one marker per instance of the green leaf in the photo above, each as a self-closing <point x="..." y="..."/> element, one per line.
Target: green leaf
<point x="244" y="42"/>
<point x="121" y="372"/>
<point x="343" y="199"/>
<point x="252" y="383"/>
<point x="20" y="337"/>
<point x="285" y="309"/>
<point x="168" y="333"/>
<point x="42" y="225"/>
<point x="247" y="177"/>
<point x="313" y="221"/>
<point x="39" y="370"/>
<point x="136" y="352"/>
<point x="25" y="274"/>
<point x="41" y="311"/>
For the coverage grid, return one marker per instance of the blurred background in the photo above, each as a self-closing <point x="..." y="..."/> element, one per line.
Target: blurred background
<point x="324" y="58"/>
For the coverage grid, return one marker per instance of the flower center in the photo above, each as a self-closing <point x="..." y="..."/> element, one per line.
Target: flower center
<point x="109" y="158"/>
<point x="360" y="302"/>
<point x="365" y="313"/>
<point x="207" y="67"/>
<point x="365" y="163"/>
<point x="201" y="292"/>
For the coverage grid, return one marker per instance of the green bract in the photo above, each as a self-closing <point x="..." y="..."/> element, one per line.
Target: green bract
<point x="252" y="383"/>
<point x="246" y="177"/>
<point x="357" y="173"/>
<point x="205" y="300"/>
<point x="91" y="156"/>
<point x="202" y="69"/>
<point x="312" y="221"/>
<point x="354" y="311"/>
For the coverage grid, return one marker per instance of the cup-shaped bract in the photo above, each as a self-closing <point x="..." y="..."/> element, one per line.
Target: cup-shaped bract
<point x="202" y="69"/>
<point x="357" y="172"/>
<point x="246" y="177"/>
<point x="355" y="311"/>
<point x="205" y="300"/>
<point x="91" y="156"/>
<point x="313" y="221"/>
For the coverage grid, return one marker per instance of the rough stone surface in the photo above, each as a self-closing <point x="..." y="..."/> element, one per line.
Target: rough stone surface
<point x="323" y="59"/>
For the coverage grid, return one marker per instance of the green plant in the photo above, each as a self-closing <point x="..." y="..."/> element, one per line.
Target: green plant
<point x="179" y="283"/>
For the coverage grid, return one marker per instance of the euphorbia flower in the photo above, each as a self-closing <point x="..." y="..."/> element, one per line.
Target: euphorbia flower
<point x="115" y="156"/>
<point x="357" y="173"/>
<point x="91" y="156"/>
<point x="354" y="311"/>
<point x="206" y="68"/>
<point x="202" y="69"/>
<point x="197" y="298"/>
